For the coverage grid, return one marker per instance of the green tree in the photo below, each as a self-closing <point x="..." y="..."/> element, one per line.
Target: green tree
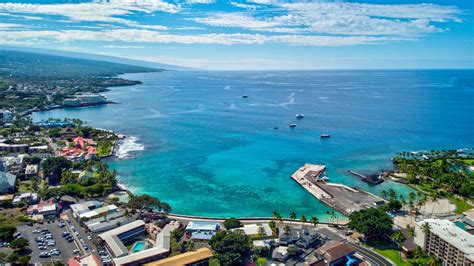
<point x="398" y="238"/>
<point x="373" y="223"/>
<point x="13" y="257"/>
<point x="293" y="216"/>
<point x="292" y="250"/>
<point x="262" y="261"/>
<point x="314" y="220"/>
<point x="261" y="232"/>
<point x="231" y="247"/>
<point x="303" y="219"/>
<point x="232" y="223"/>
<point x="286" y="229"/>
<point x="54" y="166"/>
<point x="190" y="246"/>
<point x="6" y="232"/>
<point x="19" y="243"/>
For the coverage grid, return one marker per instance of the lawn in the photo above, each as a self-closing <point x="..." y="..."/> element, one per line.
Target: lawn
<point x="392" y="255"/>
<point x="461" y="204"/>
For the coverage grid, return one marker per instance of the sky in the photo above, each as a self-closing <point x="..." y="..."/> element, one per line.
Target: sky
<point x="251" y="35"/>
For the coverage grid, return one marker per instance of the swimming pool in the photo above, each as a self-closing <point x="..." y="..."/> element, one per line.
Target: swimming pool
<point x="460" y="225"/>
<point x="138" y="246"/>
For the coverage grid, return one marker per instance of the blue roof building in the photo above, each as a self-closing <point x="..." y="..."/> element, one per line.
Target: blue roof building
<point x="202" y="230"/>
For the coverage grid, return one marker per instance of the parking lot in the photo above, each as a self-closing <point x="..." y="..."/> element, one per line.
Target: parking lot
<point x="65" y="248"/>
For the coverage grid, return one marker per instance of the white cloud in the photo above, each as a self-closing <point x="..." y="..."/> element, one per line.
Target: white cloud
<point x="339" y="18"/>
<point x="123" y="46"/>
<point x="147" y="36"/>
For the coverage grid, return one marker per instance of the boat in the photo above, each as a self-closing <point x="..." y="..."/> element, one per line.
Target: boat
<point x="325" y="136"/>
<point x="245" y="96"/>
<point x="275" y="127"/>
<point x="299" y="116"/>
<point x="292" y="125"/>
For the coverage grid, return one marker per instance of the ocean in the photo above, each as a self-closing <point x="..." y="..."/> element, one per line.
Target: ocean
<point x="197" y="144"/>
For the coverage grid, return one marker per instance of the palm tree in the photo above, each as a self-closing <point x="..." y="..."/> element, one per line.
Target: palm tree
<point x="303" y="219"/>
<point x="426" y="228"/>
<point x="435" y="197"/>
<point x="286" y="229"/>
<point x="392" y="194"/>
<point x="398" y="238"/>
<point x="411" y="231"/>
<point x="384" y="194"/>
<point x="333" y="216"/>
<point x="293" y="216"/>
<point x="275" y="215"/>
<point x="314" y="220"/>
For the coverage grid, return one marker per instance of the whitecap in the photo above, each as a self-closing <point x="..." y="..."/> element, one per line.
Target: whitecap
<point x="128" y="146"/>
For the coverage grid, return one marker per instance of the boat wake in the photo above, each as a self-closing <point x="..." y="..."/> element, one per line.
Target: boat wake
<point x="127" y="147"/>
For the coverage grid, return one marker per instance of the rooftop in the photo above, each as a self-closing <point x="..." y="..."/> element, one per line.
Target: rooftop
<point x="198" y="225"/>
<point x="114" y="243"/>
<point x="184" y="259"/>
<point x="452" y="234"/>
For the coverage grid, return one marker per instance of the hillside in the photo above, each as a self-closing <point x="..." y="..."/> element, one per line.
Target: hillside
<point x="26" y="64"/>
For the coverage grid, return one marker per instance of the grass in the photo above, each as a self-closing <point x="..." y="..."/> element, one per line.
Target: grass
<point x="461" y="204"/>
<point x="13" y="217"/>
<point x="25" y="187"/>
<point x="393" y="255"/>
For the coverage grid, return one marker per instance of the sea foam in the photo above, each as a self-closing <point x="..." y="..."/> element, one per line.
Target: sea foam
<point x="127" y="146"/>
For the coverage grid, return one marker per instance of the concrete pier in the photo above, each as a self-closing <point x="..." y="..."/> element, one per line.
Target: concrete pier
<point x="337" y="196"/>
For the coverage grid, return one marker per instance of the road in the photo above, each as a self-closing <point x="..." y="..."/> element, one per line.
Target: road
<point x="374" y="258"/>
<point x="82" y="234"/>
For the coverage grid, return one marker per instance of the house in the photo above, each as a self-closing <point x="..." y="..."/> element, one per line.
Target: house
<point x="301" y="236"/>
<point x="255" y="229"/>
<point x="83" y="207"/>
<point x="89" y="260"/>
<point x="280" y="254"/>
<point x="336" y="253"/>
<point x="202" y="231"/>
<point x="45" y="209"/>
<point x="7" y="181"/>
<point x="28" y="197"/>
<point x="31" y="169"/>
<point x="6" y="116"/>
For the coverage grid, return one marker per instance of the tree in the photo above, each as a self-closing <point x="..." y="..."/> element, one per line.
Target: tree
<point x="6" y="232"/>
<point x="175" y="247"/>
<point x="232" y="223"/>
<point x="333" y="216"/>
<point x="261" y="232"/>
<point x="190" y="246"/>
<point x="231" y="247"/>
<point x="275" y="215"/>
<point x="292" y="250"/>
<point x="19" y="243"/>
<point x="272" y="225"/>
<point x="13" y="257"/>
<point x="373" y="222"/>
<point x="398" y="238"/>
<point x="54" y="166"/>
<point x="286" y="229"/>
<point x="314" y="220"/>
<point x="426" y="228"/>
<point x="411" y="231"/>
<point x="293" y="216"/>
<point x="393" y="205"/>
<point x="262" y="261"/>
<point x="303" y="219"/>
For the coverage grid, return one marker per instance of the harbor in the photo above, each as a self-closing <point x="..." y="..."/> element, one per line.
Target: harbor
<point x="340" y="197"/>
<point x="371" y="179"/>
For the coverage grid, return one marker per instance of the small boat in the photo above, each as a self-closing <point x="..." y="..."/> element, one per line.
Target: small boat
<point x="292" y="125"/>
<point x="275" y="128"/>
<point x="325" y="136"/>
<point x="245" y="96"/>
<point x="299" y="116"/>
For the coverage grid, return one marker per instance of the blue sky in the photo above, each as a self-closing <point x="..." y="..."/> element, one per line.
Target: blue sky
<point x="258" y="34"/>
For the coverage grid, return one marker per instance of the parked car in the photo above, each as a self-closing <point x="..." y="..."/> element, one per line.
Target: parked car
<point x="44" y="255"/>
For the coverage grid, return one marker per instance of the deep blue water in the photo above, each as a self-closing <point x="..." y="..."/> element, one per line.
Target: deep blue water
<point x="208" y="151"/>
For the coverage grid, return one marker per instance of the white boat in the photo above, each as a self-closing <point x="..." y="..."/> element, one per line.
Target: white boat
<point x="299" y="116"/>
<point x="245" y="96"/>
<point x="323" y="136"/>
<point x="292" y="125"/>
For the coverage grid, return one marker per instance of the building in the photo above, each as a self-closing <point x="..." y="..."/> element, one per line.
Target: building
<point x="89" y="260"/>
<point x="301" y="236"/>
<point x="85" y="99"/>
<point x="31" y="169"/>
<point x="199" y="257"/>
<point x="83" y="207"/>
<point x="114" y="239"/>
<point x="280" y="254"/>
<point x="103" y="224"/>
<point x="6" y="116"/>
<point x="256" y="229"/>
<point x="28" y="197"/>
<point x="7" y="181"/>
<point x="45" y="209"/>
<point x="104" y="211"/>
<point x="13" y="147"/>
<point x="336" y="253"/>
<point x="446" y="241"/>
<point x="202" y="231"/>
<point x="114" y="242"/>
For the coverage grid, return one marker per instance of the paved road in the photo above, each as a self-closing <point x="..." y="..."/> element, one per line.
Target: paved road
<point x="371" y="256"/>
<point x="82" y="234"/>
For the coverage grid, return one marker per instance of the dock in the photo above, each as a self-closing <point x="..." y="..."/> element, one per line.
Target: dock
<point x="371" y="179"/>
<point x="340" y="197"/>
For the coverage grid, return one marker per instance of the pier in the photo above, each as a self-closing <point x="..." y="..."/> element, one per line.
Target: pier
<point x="371" y="179"/>
<point x="340" y="197"/>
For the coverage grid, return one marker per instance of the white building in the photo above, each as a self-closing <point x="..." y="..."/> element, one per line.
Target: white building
<point x="446" y="241"/>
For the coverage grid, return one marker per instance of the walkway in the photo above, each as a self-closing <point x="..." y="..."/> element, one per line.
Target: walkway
<point x="374" y="258"/>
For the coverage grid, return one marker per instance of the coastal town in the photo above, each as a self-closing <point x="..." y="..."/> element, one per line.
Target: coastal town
<point x="62" y="205"/>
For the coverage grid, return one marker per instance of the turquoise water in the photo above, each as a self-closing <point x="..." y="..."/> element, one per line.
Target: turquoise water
<point x="197" y="144"/>
<point x="138" y="246"/>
